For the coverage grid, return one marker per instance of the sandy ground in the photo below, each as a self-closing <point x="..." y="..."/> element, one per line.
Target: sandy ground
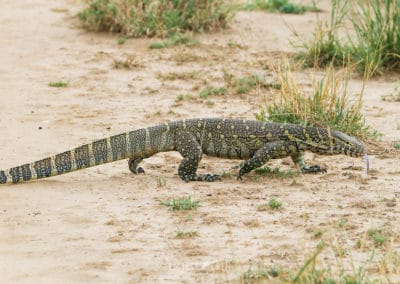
<point x="104" y="224"/>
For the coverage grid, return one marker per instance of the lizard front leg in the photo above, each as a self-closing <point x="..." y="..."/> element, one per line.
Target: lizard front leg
<point x="270" y="150"/>
<point x="298" y="159"/>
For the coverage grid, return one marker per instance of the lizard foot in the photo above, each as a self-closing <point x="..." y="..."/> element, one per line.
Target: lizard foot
<point x="134" y="168"/>
<point x="313" y="169"/>
<point x="201" y="177"/>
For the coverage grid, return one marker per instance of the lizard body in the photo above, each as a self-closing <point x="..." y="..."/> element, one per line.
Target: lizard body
<point x="253" y="141"/>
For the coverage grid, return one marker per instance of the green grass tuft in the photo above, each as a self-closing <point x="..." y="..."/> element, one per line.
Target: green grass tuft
<point x="184" y="203"/>
<point x="377" y="236"/>
<point x="136" y="18"/>
<point x="260" y="274"/>
<point x="243" y="85"/>
<point x="186" y="234"/>
<point x="58" y="84"/>
<point x="275" y="204"/>
<point x="174" y="40"/>
<point x="207" y="92"/>
<point x="364" y="34"/>
<point x="282" y="6"/>
<point x="276" y="172"/>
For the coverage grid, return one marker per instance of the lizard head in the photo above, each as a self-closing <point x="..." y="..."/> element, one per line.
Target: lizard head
<point x="331" y="142"/>
<point x="340" y="143"/>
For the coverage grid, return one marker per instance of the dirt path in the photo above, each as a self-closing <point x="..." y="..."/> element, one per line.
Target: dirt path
<point x="106" y="225"/>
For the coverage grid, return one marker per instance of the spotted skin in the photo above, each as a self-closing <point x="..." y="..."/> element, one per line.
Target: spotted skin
<point x="252" y="141"/>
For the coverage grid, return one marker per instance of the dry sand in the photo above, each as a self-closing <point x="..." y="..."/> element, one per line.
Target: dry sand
<point x="104" y="224"/>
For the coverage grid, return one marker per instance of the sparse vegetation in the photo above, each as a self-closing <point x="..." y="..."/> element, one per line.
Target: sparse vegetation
<point x="276" y="172"/>
<point x="377" y="236"/>
<point x="186" y="234"/>
<point x="130" y="61"/>
<point x="171" y="76"/>
<point x="243" y="85"/>
<point x="394" y="96"/>
<point x="313" y="270"/>
<point x="328" y="105"/>
<point x="183" y="203"/>
<point x="207" y="92"/>
<point x="360" y="33"/>
<point x="282" y="6"/>
<point x="274" y="204"/>
<point x="135" y="18"/>
<point x="58" y="84"/>
<point x="260" y="273"/>
<point x="174" y="40"/>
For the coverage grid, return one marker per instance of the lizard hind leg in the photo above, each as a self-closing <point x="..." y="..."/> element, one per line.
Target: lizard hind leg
<point x="190" y="149"/>
<point x="134" y="165"/>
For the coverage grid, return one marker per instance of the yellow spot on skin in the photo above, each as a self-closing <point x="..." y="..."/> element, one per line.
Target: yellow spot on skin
<point x="218" y="126"/>
<point x="222" y="136"/>
<point x="232" y="127"/>
<point x="269" y="135"/>
<point x="209" y="135"/>
<point x="247" y="127"/>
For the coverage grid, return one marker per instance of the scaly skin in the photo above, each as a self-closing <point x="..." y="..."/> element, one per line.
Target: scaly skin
<point x="253" y="141"/>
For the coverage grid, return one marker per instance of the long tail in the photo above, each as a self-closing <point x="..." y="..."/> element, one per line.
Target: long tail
<point x="138" y="143"/>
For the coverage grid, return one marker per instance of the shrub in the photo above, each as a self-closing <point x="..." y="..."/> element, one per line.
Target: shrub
<point x="154" y="18"/>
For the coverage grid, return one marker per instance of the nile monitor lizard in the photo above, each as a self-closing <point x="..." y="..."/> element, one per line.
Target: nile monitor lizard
<point x="253" y="141"/>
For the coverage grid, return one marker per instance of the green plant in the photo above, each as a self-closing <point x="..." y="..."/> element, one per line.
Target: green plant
<point x="207" y="92"/>
<point x="325" y="47"/>
<point x="371" y="43"/>
<point x="397" y="146"/>
<point x="274" y="204"/>
<point x="184" y="203"/>
<point x="58" y="84"/>
<point x="174" y="40"/>
<point x="122" y="39"/>
<point x="243" y="85"/>
<point x="378" y="35"/>
<point x="261" y="273"/>
<point x="282" y="6"/>
<point x="377" y="236"/>
<point x="275" y="172"/>
<point x="328" y="105"/>
<point x="135" y="18"/>
<point x="158" y="45"/>
<point x="186" y="235"/>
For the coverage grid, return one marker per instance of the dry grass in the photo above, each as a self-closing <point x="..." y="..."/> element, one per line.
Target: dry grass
<point x="328" y="104"/>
